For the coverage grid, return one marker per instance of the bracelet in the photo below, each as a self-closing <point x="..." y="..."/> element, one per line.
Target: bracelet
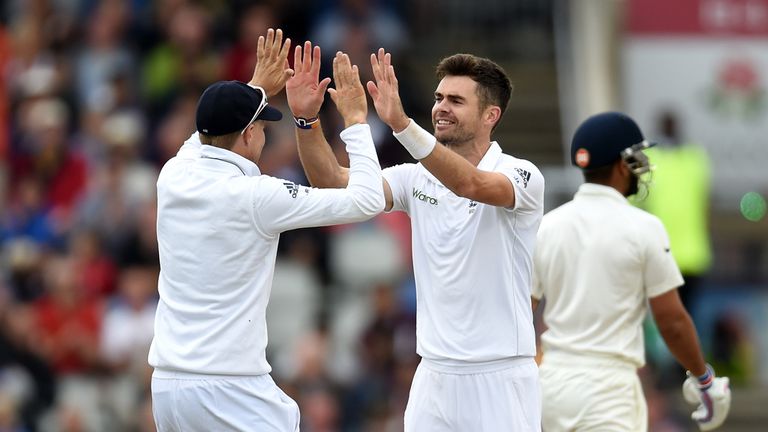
<point x="306" y="123"/>
<point x="705" y="381"/>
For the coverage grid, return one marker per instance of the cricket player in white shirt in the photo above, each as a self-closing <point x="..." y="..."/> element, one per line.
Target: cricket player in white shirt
<point x="474" y="214"/>
<point x="599" y="262"/>
<point x="219" y="222"/>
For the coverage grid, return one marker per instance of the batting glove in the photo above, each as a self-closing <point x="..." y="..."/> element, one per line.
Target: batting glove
<point x="712" y="394"/>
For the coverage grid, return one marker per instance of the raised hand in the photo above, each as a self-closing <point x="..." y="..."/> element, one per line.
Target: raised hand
<point x="272" y="69"/>
<point x="385" y="92"/>
<point x="305" y="94"/>
<point x="348" y="95"/>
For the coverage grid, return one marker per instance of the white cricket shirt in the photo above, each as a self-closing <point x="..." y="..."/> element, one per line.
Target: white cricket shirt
<point x="598" y="260"/>
<point x="472" y="262"/>
<point x="218" y="224"/>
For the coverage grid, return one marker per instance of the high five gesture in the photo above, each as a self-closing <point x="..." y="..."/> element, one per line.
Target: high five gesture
<point x="272" y="69"/>
<point x="385" y="92"/>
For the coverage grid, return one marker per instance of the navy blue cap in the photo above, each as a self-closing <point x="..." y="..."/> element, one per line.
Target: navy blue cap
<point x="600" y="139"/>
<point x="226" y="107"/>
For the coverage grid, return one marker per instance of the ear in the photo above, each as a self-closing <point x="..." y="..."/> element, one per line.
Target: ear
<point x="492" y="115"/>
<point x="620" y="169"/>
<point x="248" y="133"/>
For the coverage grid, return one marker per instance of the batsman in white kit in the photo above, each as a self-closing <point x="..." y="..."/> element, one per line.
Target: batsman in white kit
<point x="218" y="225"/>
<point x="474" y="214"/>
<point x="599" y="264"/>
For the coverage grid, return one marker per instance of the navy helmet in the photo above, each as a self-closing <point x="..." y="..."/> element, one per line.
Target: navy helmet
<point x="604" y="138"/>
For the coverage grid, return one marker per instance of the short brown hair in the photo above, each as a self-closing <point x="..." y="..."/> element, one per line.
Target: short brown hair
<point x="222" y="141"/>
<point x="493" y="85"/>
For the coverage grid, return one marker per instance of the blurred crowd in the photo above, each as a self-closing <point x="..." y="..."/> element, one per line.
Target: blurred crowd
<point x="95" y="97"/>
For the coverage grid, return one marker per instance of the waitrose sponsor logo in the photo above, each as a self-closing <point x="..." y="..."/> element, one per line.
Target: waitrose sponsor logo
<point x="421" y="196"/>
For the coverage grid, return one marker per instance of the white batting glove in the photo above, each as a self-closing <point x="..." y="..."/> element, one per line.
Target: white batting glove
<point x="712" y="394"/>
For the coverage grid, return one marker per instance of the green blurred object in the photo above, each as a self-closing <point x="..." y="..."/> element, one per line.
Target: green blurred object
<point x="753" y="206"/>
<point x="679" y="195"/>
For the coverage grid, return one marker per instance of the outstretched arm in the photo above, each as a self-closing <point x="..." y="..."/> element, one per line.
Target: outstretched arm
<point x="305" y="93"/>
<point x="272" y="70"/>
<point x="454" y="171"/>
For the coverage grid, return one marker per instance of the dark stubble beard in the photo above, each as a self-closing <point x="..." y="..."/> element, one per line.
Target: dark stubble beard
<point x="634" y="185"/>
<point x="457" y="137"/>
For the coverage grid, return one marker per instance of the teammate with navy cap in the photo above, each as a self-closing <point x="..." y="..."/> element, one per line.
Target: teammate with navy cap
<point x="599" y="262"/>
<point x="218" y="225"/>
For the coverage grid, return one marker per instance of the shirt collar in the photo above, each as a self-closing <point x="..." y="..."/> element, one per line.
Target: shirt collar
<point x="598" y="190"/>
<point x="248" y="167"/>
<point x="488" y="162"/>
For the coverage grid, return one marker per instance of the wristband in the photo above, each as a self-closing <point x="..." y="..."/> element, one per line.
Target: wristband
<point x="416" y="140"/>
<point x="705" y="381"/>
<point x="306" y="123"/>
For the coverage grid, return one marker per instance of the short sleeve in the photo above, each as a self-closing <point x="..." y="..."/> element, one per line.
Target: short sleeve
<point x="661" y="273"/>
<point x="398" y="179"/>
<point x="528" y="183"/>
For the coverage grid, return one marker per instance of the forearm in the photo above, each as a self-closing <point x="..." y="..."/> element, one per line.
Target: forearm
<point x="683" y="342"/>
<point x="317" y="159"/>
<point x="453" y="171"/>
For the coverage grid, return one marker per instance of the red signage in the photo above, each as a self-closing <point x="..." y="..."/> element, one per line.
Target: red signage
<point x="698" y="17"/>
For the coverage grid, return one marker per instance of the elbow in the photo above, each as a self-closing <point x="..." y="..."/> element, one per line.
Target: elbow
<point x="374" y="205"/>
<point x="368" y="203"/>
<point x="673" y="328"/>
<point x="465" y="189"/>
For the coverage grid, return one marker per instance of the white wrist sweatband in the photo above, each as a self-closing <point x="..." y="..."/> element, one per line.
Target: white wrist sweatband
<point x="416" y="140"/>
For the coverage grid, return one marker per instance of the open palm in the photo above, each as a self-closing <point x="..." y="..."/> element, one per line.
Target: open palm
<point x="272" y="71"/>
<point x="385" y="92"/>
<point x="304" y="91"/>
<point x="349" y="95"/>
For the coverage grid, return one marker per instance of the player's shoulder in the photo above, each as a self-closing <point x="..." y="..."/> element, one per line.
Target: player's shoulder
<point x="521" y="169"/>
<point x="174" y="166"/>
<point x="404" y="170"/>
<point x="516" y="162"/>
<point x="644" y="218"/>
<point x="558" y="215"/>
<point x="405" y="166"/>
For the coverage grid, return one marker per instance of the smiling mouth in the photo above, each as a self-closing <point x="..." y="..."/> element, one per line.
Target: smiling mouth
<point x="444" y="123"/>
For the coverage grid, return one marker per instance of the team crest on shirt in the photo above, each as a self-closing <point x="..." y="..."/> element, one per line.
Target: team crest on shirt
<point x="293" y="188"/>
<point x="524" y="176"/>
<point x="472" y="206"/>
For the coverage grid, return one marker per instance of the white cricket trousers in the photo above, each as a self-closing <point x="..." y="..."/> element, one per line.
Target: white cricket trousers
<point x="591" y="393"/>
<point x="498" y="396"/>
<point x="185" y="402"/>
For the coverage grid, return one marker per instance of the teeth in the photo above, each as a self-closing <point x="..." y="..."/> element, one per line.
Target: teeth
<point x="444" y="122"/>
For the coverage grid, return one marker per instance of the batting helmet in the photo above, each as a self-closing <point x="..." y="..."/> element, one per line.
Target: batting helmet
<point x="604" y="138"/>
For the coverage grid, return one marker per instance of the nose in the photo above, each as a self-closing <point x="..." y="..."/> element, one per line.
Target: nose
<point x="440" y="106"/>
